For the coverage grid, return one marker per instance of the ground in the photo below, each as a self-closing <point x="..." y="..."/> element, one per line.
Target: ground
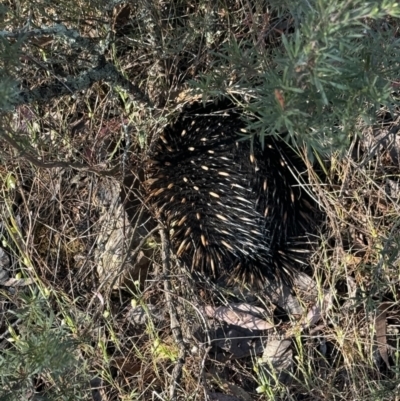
<point x="91" y="305"/>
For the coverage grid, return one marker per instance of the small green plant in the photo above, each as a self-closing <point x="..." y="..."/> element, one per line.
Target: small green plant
<point x="41" y="357"/>
<point x="331" y="71"/>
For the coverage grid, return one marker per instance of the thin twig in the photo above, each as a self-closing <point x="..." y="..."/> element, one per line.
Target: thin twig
<point x="38" y="163"/>
<point x="102" y="72"/>
<point x="175" y="326"/>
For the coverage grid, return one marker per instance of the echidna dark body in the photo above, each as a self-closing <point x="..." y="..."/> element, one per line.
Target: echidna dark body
<point x="233" y="210"/>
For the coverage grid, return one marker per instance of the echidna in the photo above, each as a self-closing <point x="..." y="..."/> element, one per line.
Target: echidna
<point x="233" y="209"/>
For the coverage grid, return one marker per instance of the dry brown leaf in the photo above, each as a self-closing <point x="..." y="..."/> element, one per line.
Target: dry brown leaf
<point x="236" y="317"/>
<point x="278" y="354"/>
<point x="318" y="310"/>
<point x="254" y="310"/>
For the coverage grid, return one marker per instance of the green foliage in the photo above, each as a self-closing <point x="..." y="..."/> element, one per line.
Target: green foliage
<point x="330" y="73"/>
<point x="41" y="352"/>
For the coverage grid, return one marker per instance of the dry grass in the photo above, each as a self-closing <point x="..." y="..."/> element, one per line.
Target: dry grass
<point x="58" y="225"/>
